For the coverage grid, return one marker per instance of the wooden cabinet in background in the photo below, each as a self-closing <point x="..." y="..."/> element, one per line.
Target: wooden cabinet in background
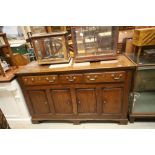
<point x="99" y="91"/>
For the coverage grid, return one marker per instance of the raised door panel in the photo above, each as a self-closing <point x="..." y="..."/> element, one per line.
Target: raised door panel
<point x="112" y="100"/>
<point x="39" y="101"/>
<point x="86" y="100"/>
<point x="62" y="101"/>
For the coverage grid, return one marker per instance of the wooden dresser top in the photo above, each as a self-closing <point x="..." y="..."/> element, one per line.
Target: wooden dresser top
<point x="122" y="62"/>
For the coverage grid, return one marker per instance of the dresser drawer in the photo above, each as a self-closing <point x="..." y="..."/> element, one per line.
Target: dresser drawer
<point x="40" y="80"/>
<point x="94" y="77"/>
<point x="115" y="76"/>
<point x="71" y="78"/>
<point x="104" y="77"/>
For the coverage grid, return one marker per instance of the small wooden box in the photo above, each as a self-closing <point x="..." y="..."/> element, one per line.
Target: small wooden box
<point x="144" y="37"/>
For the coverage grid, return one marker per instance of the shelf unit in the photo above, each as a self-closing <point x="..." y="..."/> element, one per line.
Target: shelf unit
<point x="5" y="52"/>
<point x="144" y="90"/>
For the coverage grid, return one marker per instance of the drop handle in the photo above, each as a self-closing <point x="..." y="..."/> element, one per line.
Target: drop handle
<point x="51" y="81"/>
<point x="71" y="79"/>
<point x="116" y="77"/>
<point x="92" y="79"/>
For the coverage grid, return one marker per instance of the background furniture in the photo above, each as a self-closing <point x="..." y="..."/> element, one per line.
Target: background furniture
<point x="144" y="94"/>
<point x="19" y="48"/>
<point x="12" y="103"/>
<point x="5" y="53"/>
<point x="3" y="122"/>
<point x="99" y="91"/>
<point x="143" y="39"/>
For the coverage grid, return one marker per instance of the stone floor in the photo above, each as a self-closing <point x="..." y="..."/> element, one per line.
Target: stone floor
<point x="84" y="125"/>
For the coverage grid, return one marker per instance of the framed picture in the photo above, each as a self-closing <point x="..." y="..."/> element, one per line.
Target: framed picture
<point x="51" y="48"/>
<point x="94" y="43"/>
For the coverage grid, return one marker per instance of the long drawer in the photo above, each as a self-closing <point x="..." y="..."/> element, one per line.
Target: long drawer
<point x="98" y="77"/>
<point x="40" y="80"/>
<point x="71" y="78"/>
<point x="104" y="77"/>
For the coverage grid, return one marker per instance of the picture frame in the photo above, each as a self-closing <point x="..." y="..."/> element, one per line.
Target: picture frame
<point x="94" y="43"/>
<point x="51" y="48"/>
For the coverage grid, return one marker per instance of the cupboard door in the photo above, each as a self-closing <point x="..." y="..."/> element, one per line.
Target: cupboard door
<point x="86" y="100"/>
<point x="112" y="99"/>
<point x="62" y="101"/>
<point x="39" y="101"/>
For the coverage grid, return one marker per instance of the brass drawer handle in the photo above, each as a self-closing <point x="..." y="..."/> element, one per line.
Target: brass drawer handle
<point x="116" y="77"/>
<point x="92" y="79"/>
<point x="71" y="79"/>
<point x="51" y="81"/>
<point x="47" y="78"/>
